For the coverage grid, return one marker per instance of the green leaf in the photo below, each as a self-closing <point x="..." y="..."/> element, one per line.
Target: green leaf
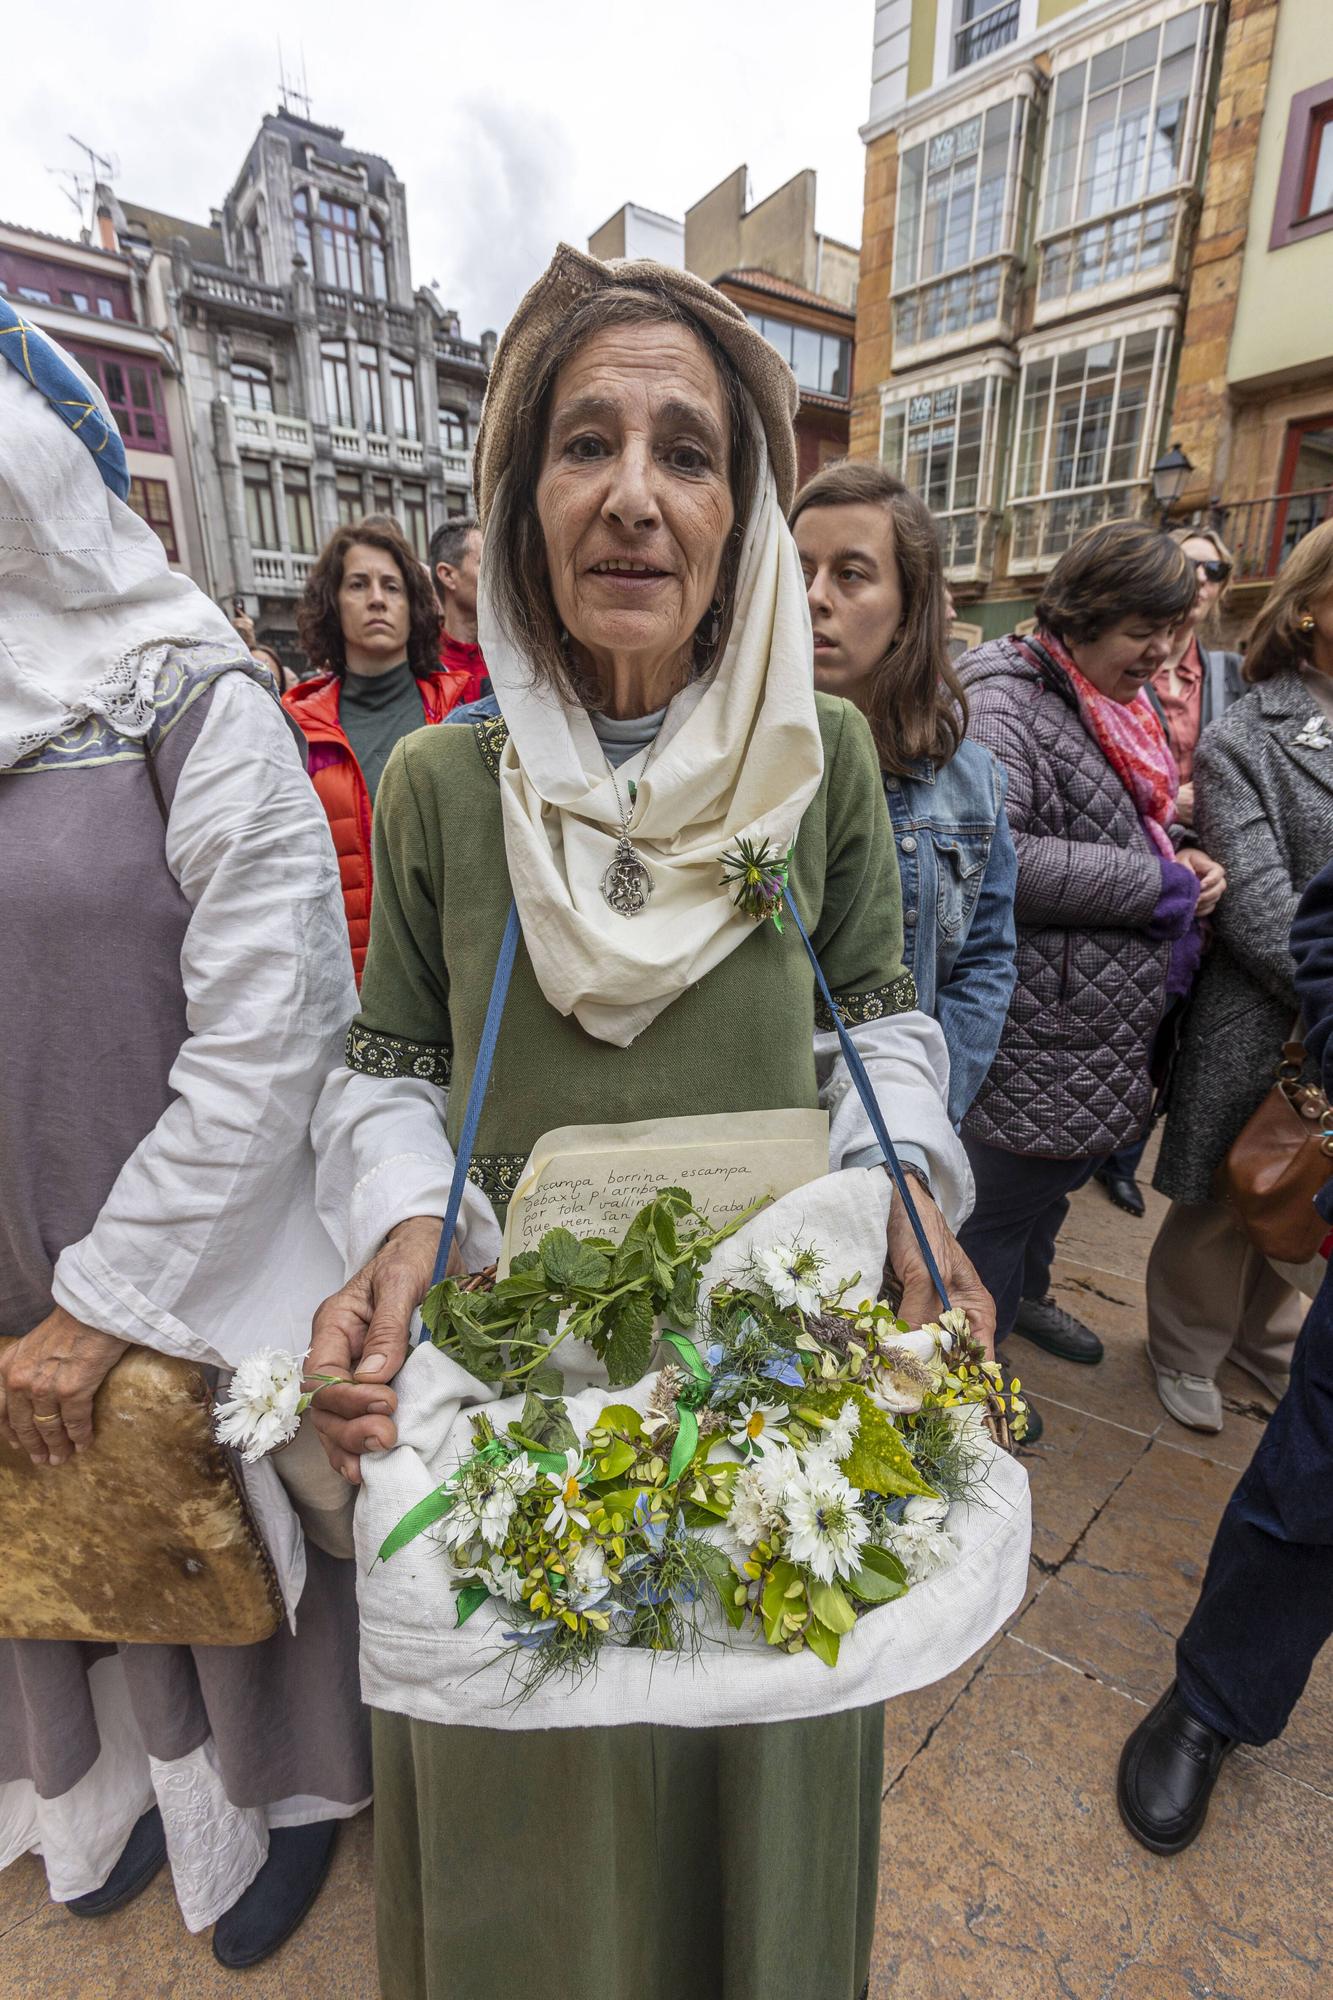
<point x="879" y="1461"/>
<point x="471" y="1598"/>
<point x="776" y="1603"/>
<point x="823" y="1644"/>
<point x="629" y="1341"/>
<point x="526" y="1260"/>
<point x="592" y="1271"/>
<point x="872" y="1586"/>
<point x="415" y="1522"/>
<point x="683" y="1305"/>
<point x="546" y="1380"/>
<point x="687" y="1437"/>
<point x="689" y="1354"/>
<point x="617" y="1458"/>
<point x="724" y="1579"/>
<point x="884" y="1563"/>
<point x="830" y="1607"/>
<point x="546" y="1422"/>
<point x="560" y="1251"/>
<point x="620" y="1417"/>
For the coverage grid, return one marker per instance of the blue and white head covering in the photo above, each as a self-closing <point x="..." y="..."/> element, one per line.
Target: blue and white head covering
<point x="68" y="391"/>
<point x="89" y="608"/>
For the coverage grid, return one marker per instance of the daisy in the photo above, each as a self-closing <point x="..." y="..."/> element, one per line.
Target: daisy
<point x="263" y="1409"/>
<point x="827" y="1526"/>
<point x="791" y="1274"/>
<point x="567" y="1493"/>
<point x="756" y="1424"/>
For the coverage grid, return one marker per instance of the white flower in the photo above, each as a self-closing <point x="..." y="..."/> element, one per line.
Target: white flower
<point x="263" y="1409"/>
<point x="921" y="1546"/>
<point x="567" y="1493"/>
<point x="827" y="1526"/>
<point x="501" y="1579"/>
<point x="775" y="1472"/>
<point x="587" y="1574"/>
<point x="901" y="1382"/>
<point x="840" y="1431"/>
<point x="756" y="1425"/>
<point x="791" y="1274"/>
<point x="487" y="1497"/>
<point x="753" y="1516"/>
<point x="921" y="1343"/>
<point x="926" y="1508"/>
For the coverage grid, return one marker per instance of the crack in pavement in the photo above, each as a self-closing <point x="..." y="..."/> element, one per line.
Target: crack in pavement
<point x="942" y="1717"/>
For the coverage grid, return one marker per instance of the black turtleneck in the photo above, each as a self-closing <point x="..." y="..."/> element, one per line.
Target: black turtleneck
<point x="375" y="710"/>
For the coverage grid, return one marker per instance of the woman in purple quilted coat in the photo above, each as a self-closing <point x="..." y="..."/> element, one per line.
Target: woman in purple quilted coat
<point x="1107" y="914"/>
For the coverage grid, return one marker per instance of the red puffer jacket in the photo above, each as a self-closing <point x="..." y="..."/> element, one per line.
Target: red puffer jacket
<point x="337" y="778"/>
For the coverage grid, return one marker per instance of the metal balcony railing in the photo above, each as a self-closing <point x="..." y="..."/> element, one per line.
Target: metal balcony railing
<point x="985" y="35"/>
<point x="1262" y="533"/>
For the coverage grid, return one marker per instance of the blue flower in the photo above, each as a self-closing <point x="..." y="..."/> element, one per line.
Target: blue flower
<point x="713" y="1353"/>
<point x="534" y="1635"/>
<point x="783" y="1369"/>
<point x="653" y="1531"/>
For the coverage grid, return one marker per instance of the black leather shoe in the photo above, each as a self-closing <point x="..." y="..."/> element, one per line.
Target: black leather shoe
<point x="278" y="1898"/>
<point x="1167" y="1772"/>
<point x="1048" y="1325"/>
<point x="1124" y="1191"/>
<point x="142" y="1856"/>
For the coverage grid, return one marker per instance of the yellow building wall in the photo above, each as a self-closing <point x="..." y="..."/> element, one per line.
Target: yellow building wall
<point x="921" y="47"/>
<point x="1051" y="10"/>
<point x="1282" y="314"/>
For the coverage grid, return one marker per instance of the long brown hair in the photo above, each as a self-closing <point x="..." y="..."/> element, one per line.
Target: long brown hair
<point x="916" y="705"/>
<point x="317" y="619"/>
<point x="1276" y="639"/>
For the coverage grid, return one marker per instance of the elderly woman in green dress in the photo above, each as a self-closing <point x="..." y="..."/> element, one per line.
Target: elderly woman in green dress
<point x="645" y="625"/>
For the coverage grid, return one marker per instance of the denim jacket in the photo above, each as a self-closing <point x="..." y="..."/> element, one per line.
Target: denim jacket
<point x="959" y="871"/>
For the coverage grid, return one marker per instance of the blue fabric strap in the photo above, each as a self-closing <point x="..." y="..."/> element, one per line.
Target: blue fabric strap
<point x="867" y="1094"/>
<point x="490" y="1035"/>
<point x="481" y="1075"/>
<point x="48" y="368"/>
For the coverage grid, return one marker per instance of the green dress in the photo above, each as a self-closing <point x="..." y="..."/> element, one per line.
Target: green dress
<point x="652" y="1863"/>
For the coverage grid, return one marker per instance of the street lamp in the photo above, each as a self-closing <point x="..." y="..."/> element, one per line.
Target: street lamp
<point x="1168" y="480"/>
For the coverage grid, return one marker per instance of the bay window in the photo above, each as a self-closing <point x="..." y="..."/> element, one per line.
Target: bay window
<point x="942" y="441"/>
<point x="1122" y="150"/>
<point x="133" y="388"/>
<point x="960" y="196"/>
<point x="1088" y="420"/>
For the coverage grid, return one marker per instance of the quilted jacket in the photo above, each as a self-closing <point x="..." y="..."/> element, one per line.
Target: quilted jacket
<point x="1070" y="1079"/>
<point x="336" y="776"/>
<point x="1263" y="787"/>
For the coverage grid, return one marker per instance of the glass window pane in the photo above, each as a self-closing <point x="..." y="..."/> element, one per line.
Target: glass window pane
<point x="113" y="381"/>
<point x="911" y="176"/>
<point x="1181" y="33"/>
<point x="891" y="438"/>
<point x="1321" y="184"/>
<point x="805" y="357"/>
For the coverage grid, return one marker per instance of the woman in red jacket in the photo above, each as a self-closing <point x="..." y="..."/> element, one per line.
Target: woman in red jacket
<point x="368" y="618"/>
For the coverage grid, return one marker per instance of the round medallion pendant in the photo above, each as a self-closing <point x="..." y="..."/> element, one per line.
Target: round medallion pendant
<point x="627" y="884"/>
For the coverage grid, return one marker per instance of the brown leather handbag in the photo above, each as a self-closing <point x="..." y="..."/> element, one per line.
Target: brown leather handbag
<point x="1280" y="1161"/>
<point x="146" y="1536"/>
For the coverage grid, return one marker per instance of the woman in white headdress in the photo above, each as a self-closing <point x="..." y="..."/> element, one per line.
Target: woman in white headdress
<point x="645" y="625"/>
<point x="175" y="982"/>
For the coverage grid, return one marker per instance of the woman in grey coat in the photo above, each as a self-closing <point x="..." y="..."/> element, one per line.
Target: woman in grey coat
<point x="1264" y="807"/>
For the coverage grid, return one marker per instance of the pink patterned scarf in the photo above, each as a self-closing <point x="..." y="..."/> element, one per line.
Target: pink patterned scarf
<point x="1133" y="743"/>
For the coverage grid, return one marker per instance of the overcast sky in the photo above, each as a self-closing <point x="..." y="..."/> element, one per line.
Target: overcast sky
<point x="513" y="123"/>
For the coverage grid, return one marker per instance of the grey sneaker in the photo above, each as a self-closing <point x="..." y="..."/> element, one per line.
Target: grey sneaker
<point x="1191" y="1399"/>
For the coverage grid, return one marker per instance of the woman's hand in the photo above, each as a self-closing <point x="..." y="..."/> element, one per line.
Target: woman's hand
<point x="47" y="1383"/>
<point x="920" y="1301"/>
<point x="361" y="1334"/>
<point x="1212" y="877"/>
<point x="1185" y="804"/>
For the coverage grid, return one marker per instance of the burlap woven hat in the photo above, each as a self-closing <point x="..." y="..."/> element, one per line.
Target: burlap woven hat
<point x="570" y="277"/>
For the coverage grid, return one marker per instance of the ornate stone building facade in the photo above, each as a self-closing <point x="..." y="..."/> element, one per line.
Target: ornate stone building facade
<point x="319" y="385"/>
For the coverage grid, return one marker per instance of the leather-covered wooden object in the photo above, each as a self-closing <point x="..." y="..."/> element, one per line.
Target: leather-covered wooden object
<point x="146" y="1536"/>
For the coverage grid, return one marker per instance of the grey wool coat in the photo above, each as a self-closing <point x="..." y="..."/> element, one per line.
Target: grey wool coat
<point x="1070" y="1079"/>
<point x="1264" y="809"/>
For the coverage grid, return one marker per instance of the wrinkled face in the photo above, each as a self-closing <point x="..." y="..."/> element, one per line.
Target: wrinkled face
<point x="372" y="606"/>
<point x="1124" y="658"/>
<point x="855" y="592"/>
<point x="634" y="498"/>
<point x="1200" y="552"/>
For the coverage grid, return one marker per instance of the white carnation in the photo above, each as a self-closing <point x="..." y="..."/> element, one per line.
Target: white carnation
<point x="263" y="1408"/>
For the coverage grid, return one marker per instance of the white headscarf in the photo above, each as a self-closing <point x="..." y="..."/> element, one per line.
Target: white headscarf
<point x="88" y="605"/>
<point x="739" y="755"/>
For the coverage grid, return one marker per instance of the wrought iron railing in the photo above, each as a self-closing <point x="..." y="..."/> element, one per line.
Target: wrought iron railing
<point x="1262" y="533"/>
<point x="984" y="36"/>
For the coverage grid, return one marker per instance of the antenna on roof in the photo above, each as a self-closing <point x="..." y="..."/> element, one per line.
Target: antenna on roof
<point x="288" y="94"/>
<point x="81" y="188"/>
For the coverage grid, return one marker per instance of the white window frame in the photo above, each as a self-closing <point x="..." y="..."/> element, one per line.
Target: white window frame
<point x="1164" y="323"/>
<point x="999" y="372"/>
<point x="1163" y="272"/>
<point x="948" y="23"/>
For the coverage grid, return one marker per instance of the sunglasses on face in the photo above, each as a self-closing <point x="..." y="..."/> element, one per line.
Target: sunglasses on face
<point x="1216" y="572"/>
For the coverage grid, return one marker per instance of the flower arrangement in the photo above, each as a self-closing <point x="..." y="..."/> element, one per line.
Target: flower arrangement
<point x="792" y="1471"/>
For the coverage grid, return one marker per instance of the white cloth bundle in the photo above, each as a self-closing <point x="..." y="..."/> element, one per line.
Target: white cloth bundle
<point x="416" y="1660"/>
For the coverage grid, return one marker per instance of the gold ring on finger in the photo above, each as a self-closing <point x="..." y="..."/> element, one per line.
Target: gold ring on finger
<point x="46" y="1420"/>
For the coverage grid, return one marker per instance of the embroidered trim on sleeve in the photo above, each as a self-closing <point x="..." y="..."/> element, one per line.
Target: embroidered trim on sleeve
<point x="388" y="1055"/>
<point x="853" y="1008"/>
<point x="497" y="1175"/>
<point x="491" y="733"/>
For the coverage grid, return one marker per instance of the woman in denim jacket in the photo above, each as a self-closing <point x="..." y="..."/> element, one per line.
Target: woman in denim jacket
<point x="871" y="557"/>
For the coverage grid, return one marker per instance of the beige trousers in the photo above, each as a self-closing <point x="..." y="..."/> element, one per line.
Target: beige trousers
<point x="1212" y="1297"/>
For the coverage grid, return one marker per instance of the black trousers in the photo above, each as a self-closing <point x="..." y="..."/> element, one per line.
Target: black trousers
<point x="1010" y="1235"/>
<point x="1266" y="1606"/>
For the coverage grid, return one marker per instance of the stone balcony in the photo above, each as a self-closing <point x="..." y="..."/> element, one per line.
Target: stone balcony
<point x="267" y="431"/>
<point x="280" y="572"/>
<point x="224" y="288"/>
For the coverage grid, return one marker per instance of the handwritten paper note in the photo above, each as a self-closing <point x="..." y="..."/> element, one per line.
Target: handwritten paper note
<point x="593" y="1179"/>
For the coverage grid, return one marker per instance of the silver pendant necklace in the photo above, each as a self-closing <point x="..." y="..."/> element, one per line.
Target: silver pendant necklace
<point x="627" y="883"/>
